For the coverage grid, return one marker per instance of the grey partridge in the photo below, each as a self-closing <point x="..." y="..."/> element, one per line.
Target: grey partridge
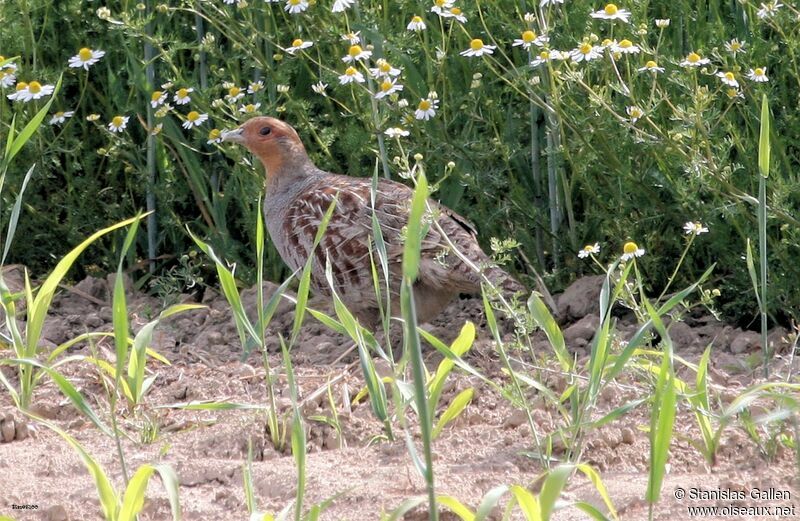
<point x="297" y="196"/>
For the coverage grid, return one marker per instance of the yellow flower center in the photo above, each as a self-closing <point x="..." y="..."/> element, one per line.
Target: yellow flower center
<point x="351" y="71"/>
<point x="416" y="19"/>
<point x="58" y="114"/>
<point x="386" y="85"/>
<point x="294" y="2"/>
<point x="214" y="134"/>
<point x="588" y="247"/>
<point x="528" y="36"/>
<point x="455" y="11"/>
<point x="606" y="42"/>
<point x="35" y="87"/>
<point x="440" y="3"/>
<point x="693" y="57"/>
<point x="625" y="44"/>
<point x="611" y="9"/>
<point x="630" y="248"/>
<point x="476" y="44"/>
<point x="586" y="48"/>
<point x="156" y="95"/>
<point x="384" y="66"/>
<point x="729" y="76"/>
<point x="85" y="54"/>
<point x="193" y="116"/>
<point x="250" y="108"/>
<point x="21" y="86"/>
<point x="355" y="50"/>
<point x="297" y="43"/>
<point x="234" y="91"/>
<point x="732" y="93"/>
<point x="735" y="46"/>
<point x="424" y="105"/>
<point x="758" y="72"/>
<point x="118" y="121"/>
<point x="544" y="55"/>
<point x="182" y="93"/>
<point x="651" y="64"/>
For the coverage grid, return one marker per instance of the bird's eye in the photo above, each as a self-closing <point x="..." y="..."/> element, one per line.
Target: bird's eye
<point x="265" y="131"/>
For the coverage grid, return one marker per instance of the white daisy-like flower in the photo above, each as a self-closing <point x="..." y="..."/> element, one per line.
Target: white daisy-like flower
<point x="353" y="38"/>
<point x="340" y="6"/>
<point x="694" y="60"/>
<point x="7" y="78"/>
<point x="426" y="109"/>
<point x="60" y="117"/>
<point x="625" y="47"/>
<point x="118" y="123"/>
<point x="651" y="66"/>
<point x="296" y="6"/>
<point x="395" y="132"/>
<point x="356" y="53"/>
<point x="545" y="3"/>
<point x="631" y="250"/>
<point x="182" y="97"/>
<point x="694" y="228"/>
<point x="388" y="87"/>
<point x="214" y="136"/>
<point x="163" y="110"/>
<point x="549" y="55"/>
<point x="194" y="119"/>
<point x="319" y="88"/>
<point x="351" y="74"/>
<point x="589" y="249"/>
<point x="529" y="38"/>
<point x="416" y="24"/>
<point x="235" y="93"/>
<point x="36" y="90"/>
<point x="282" y="88"/>
<point x="735" y="47"/>
<point x="759" y="74"/>
<point x="19" y="91"/>
<point x="297" y="45"/>
<point x="768" y="9"/>
<point x="441" y="6"/>
<point x="383" y="69"/>
<point x="457" y="13"/>
<point x="612" y="12"/>
<point x="478" y="48"/>
<point x="586" y="52"/>
<point x="250" y="108"/>
<point x="255" y="86"/>
<point x="11" y="66"/>
<point x="85" y="58"/>
<point x="157" y="98"/>
<point x="728" y="78"/>
<point x="662" y="23"/>
<point x="734" y="94"/>
<point x="635" y="113"/>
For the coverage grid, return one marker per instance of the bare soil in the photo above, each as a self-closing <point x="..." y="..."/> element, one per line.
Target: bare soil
<point x="489" y="445"/>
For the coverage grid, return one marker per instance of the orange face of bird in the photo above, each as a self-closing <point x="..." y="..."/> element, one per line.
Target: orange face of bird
<point x="271" y="140"/>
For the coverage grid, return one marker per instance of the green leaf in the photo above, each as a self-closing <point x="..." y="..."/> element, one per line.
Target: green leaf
<point x="763" y="139"/>
<point x="133" y="500"/>
<point x="453" y="410"/>
<point x="12" y="223"/>
<point x="456" y="507"/>
<point x="545" y="320"/>
<point x="411" y="250"/>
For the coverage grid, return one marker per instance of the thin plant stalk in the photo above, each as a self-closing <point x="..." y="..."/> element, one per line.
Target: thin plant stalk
<point x="150" y="72"/>
<point x="763" y="168"/>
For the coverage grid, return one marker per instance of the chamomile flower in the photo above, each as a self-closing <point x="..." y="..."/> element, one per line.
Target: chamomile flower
<point x="457" y="13"/>
<point x="60" y="117"/>
<point x="118" y="123"/>
<point x="662" y="23"/>
<point x="296" y="6"/>
<point x="625" y="47"/>
<point x="8" y="66"/>
<point x="651" y="66"/>
<point x="416" y="24"/>
<point x="157" y="98"/>
<point x="589" y="249"/>
<point x="768" y="9"/>
<point x="734" y="94"/>
<point x="693" y="59"/>
<point x="235" y="93"/>
<point x="297" y="45"/>
<point x="634" y="112"/>
<point x="340" y="6"/>
<point x="36" y="90"/>
<point x="735" y="47"/>
<point x="759" y="74"/>
<point x="85" y="58"/>
<point x="351" y="37"/>
<point x="694" y="228"/>
<point x="586" y="52"/>
<point x="728" y="79"/>
<point x="214" y="136"/>
<point x="441" y="6"/>
<point x="426" y="109"/>
<point x="388" y="87"/>
<point x="320" y="88"/>
<point x="612" y="12"/>
<point x="546" y="56"/>
<point x="7" y="78"/>
<point x="282" y="88"/>
<point x="194" y="119"/>
<point x="395" y="132"/>
<point x="383" y="69"/>
<point x="631" y="250"/>
<point x="250" y="108"/>
<point x="529" y="38"/>
<point x="356" y="53"/>
<point x="19" y="91"/>
<point x="255" y="86"/>
<point x="182" y="96"/>
<point x="351" y="74"/>
<point x="478" y="48"/>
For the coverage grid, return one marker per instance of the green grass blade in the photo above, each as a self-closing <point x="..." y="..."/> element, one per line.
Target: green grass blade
<point x="763" y="139"/>
<point x="172" y="485"/>
<point x="489" y="501"/>
<point x="456" y="407"/>
<point x="456" y="507"/>
<point x="594" y="477"/>
<point x="12" y="223"/>
<point x="552" y="487"/>
<point x="544" y="319"/>
<point x="527" y="503"/>
<point x="133" y="500"/>
<point x="460" y="346"/>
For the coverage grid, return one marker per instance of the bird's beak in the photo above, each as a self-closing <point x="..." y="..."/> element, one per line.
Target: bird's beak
<point x="234" y="136"/>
